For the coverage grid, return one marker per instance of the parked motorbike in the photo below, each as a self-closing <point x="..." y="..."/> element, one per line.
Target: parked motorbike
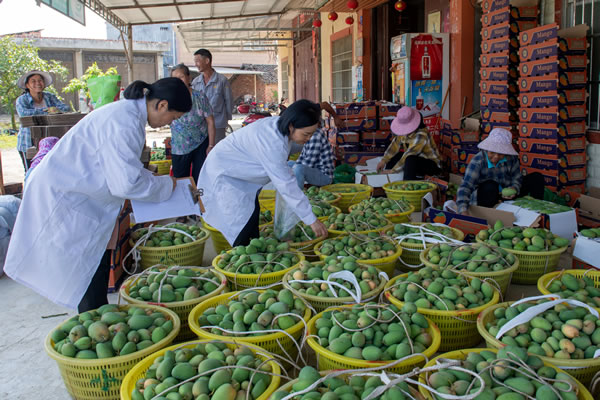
<point x="256" y="114"/>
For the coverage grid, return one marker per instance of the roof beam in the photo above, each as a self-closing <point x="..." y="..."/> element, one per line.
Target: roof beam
<point x="103" y="11"/>
<point x="143" y="12"/>
<point x="249" y="29"/>
<point x="177" y="8"/>
<point x="174" y="3"/>
<point x="192" y="19"/>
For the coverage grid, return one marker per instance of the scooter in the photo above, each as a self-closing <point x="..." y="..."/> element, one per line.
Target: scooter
<point x="256" y="115"/>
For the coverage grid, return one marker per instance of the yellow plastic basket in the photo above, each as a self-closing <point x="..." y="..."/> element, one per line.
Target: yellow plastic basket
<point x="502" y="278"/>
<point x="164" y="166"/>
<point x="412" y="196"/>
<point x="243" y="281"/>
<point x="410" y="260"/>
<point x="386" y="264"/>
<point x="272" y="342"/>
<point x="329" y="360"/>
<point x="349" y="198"/>
<point x="394" y="218"/>
<point x="458" y="328"/>
<point x="220" y="244"/>
<point x="183" y="254"/>
<point x="321" y="303"/>
<point x="534" y="264"/>
<point x="324" y="218"/>
<point x="583" y="394"/>
<point x="139" y="371"/>
<point x="547" y="279"/>
<point x="266" y="199"/>
<point x="306" y="248"/>
<point x="582" y="370"/>
<point x="101" y="378"/>
<point x="181" y="308"/>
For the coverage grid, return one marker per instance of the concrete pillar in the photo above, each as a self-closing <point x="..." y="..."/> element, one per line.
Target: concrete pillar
<point x="462" y="20"/>
<point x="78" y="66"/>
<point x="160" y="71"/>
<point x="130" y="53"/>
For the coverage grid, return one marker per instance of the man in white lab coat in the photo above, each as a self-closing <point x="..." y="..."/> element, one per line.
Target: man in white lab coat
<point x="241" y="164"/>
<point x="72" y="199"/>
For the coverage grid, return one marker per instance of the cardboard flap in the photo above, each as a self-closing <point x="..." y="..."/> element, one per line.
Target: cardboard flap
<point x="577" y="31"/>
<point x="594" y="192"/>
<point x="492" y="215"/>
<point x="590" y="206"/>
<point x="523" y="3"/>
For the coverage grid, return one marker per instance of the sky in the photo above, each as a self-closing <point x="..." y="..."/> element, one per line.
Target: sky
<point x="25" y="15"/>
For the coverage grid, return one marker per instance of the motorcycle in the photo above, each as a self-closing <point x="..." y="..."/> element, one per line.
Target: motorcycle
<point x="256" y="114"/>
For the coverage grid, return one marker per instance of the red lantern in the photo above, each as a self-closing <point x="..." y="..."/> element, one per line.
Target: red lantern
<point x="332" y="16"/>
<point x="352" y="4"/>
<point x="317" y="23"/>
<point x="349" y="20"/>
<point x="400" y="5"/>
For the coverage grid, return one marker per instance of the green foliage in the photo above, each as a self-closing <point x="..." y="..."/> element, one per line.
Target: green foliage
<point x="93" y="71"/>
<point x="15" y="60"/>
<point x="275" y="96"/>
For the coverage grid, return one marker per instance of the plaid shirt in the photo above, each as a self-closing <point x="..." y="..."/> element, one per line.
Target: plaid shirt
<point x="506" y="173"/>
<point x="416" y="144"/>
<point x="317" y="153"/>
<point x="25" y="108"/>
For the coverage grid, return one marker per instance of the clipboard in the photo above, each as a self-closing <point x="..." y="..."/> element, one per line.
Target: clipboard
<point x="184" y="201"/>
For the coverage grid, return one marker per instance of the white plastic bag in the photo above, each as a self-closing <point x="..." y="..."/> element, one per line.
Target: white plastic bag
<point x="9" y="207"/>
<point x="285" y="218"/>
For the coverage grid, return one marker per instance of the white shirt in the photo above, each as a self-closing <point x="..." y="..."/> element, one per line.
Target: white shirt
<point x="72" y="199"/>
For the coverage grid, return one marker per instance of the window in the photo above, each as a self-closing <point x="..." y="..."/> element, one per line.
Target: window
<point x="588" y="12"/>
<point x="341" y="69"/>
<point x="285" y="89"/>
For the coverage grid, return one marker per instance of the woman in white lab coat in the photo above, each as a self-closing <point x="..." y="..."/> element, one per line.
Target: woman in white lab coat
<point x="73" y="197"/>
<point x="240" y="165"/>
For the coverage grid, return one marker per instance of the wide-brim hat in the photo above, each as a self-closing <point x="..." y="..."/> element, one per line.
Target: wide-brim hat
<point x="499" y="141"/>
<point x="407" y="121"/>
<point x="46" y="76"/>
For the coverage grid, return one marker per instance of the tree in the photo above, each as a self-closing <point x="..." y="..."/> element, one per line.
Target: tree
<point x="15" y="60"/>
<point x="93" y="71"/>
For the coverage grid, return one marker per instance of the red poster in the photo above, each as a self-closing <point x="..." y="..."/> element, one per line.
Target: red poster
<point x="426" y="55"/>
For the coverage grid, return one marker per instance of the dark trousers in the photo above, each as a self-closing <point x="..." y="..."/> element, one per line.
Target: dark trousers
<point x="416" y="168"/>
<point x="95" y="295"/>
<point x="250" y="230"/>
<point x="182" y="164"/>
<point x="488" y="192"/>
<point x="24" y="160"/>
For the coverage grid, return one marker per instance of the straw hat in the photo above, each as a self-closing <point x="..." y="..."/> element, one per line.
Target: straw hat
<point x="23" y="79"/>
<point x="407" y="121"/>
<point x="499" y="141"/>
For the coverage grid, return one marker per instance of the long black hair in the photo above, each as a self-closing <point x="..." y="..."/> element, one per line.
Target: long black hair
<point x="299" y="114"/>
<point x="173" y="90"/>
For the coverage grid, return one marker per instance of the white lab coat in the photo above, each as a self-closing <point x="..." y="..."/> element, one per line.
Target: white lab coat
<point x="72" y="199"/>
<point x="238" y="167"/>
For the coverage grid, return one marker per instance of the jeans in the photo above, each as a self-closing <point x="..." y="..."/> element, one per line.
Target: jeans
<point x="312" y="176"/>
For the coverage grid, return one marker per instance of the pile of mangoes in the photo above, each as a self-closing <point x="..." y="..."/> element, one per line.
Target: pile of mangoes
<point x="178" y="284"/>
<point x="322" y="208"/>
<point x="299" y="234"/>
<point x="373" y="332"/>
<point x="351" y="387"/>
<point x="562" y="332"/>
<point x="110" y="331"/>
<point x="382" y="206"/>
<point x="411" y="186"/>
<point x="367" y="276"/>
<point x="540" y="206"/>
<point x="215" y="372"/>
<point x="442" y="290"/>
<point x="315" y="193"/>
<point x="521" y="239"/>
<point x="476" y="257"/>
<point x="250" y="311"/>
<point x="164" y="238"/>
<point x="261" y="256"/>
<point x="591" y="233"/>
<point x="356" y="221"/>
<point x="408" y="228"/>
<point x="505" y="377"/>
<point x="452" y="190"/>
<point x="369" y="246"/>
<point x="265" y="217"/>
<point x="349" y="189"/>
<point x="570" y="287"/>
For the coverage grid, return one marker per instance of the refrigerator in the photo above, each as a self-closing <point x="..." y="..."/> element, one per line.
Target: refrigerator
<point x="421" y="72"/>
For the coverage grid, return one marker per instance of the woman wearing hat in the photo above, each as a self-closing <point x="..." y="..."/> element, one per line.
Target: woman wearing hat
<point x="494" y="168"/>
<point x="420" y="156"/>
<point x="34" y="102"/>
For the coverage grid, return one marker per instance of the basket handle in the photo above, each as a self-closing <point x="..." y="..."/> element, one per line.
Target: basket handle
<point x="344" y="275"/>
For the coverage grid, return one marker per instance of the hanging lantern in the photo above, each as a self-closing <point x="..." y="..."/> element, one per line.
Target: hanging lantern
<point x="332" y="16"/>
<point x="317" y="23"/>
<point x="349" y="20"/>
<point x="352" y="4"/>
<point x="400" y="5"/>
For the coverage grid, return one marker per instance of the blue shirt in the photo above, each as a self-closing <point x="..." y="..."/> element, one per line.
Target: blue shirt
<point x="190" y="130"/>
<point x="317" y="153"/>
<point x="25" y="108"/>
<point x="218" y="92"/>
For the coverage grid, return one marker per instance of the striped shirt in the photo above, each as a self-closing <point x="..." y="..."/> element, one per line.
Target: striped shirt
<point x="415" y="144"/>
<point x="25" y="108"/>
<point x="218" y="92"/>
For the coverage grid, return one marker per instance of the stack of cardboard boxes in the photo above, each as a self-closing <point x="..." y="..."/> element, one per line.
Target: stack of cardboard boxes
<point x="553" y="105"/>
<point x="458" y="147"/>
<point x="501" y="24"/>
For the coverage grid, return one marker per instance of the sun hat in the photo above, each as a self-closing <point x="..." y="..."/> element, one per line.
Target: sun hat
<point x="46" y="76"/>
<point x="499" y="141"/>
<point x="407" y="121"/>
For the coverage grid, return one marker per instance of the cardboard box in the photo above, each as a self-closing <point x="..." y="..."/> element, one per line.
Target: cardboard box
<point x="530" y="11"/>
<point x="495" y="101"/>
<point x="368" y="174"/>
<point x="557" y="179"/>
<point x="572" y="97"/>
<point x="589" y="208"/>
<point x="494" y="74"/>
<point x="538" y="84"/>
<point x="487" y="126"/>
<point x="572" y="79"/>
<point x="496" y="17"/>
<point x="376" y="138"/>
<point x="538" y="35"/>
<point x="539" y="51"/>
<point x="494" y="5"/>
<point x="552" y="147"/>
<point x="359" y="158"/>
<point x="461" y="137"/>
<point x="553" y="162"/>
<point x="352" y="138"/>
<point x="573" y="63"/>
<point x="357" y="125"/>
<point x="498" y="45"/>
<point x="496" y="31"/>
<point x="373" y="148"/>
<point x="495" y="60"/>
<point x="388" y="109"/>
<point x="573" y="40"/>
<point x="459" y="167"/>
<point x="385" y="123"/>
<point x="494" y="87"/>
<point x="480" y="218"/>
<point x="572" y="113"/>
<point x="545" y="66"/>
<point x="548" y="115"/>
<point x="491" y="114"/>
<point x="356" y="110"/>
<point x="585" y="253"/>
<point x="539" y="99"/>
<point x="522" y="25"/>
<point x="563" y="224"/>
<point x="552" y="131"/>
